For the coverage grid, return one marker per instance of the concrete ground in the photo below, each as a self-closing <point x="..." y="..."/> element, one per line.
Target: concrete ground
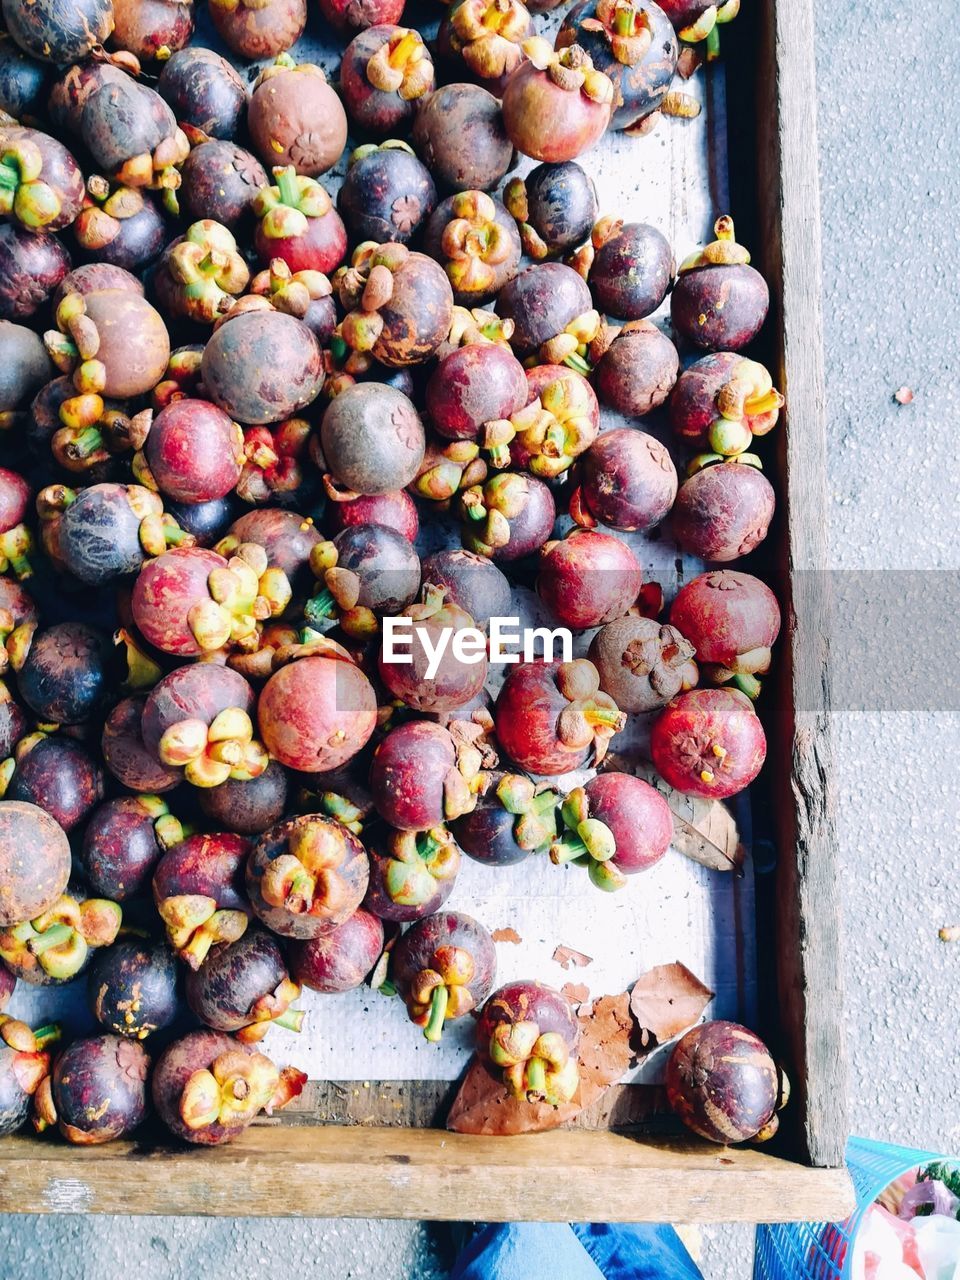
<point x="889" y="92"/>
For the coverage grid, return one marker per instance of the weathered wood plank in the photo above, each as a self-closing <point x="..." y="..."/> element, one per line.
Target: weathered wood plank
<point x="808" y="924"/>
<point x="325" y="1172"/>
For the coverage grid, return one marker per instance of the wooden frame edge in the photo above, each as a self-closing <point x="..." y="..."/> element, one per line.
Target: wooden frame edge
<point x="415" y="1173"/>
<point x="808" y="920"/>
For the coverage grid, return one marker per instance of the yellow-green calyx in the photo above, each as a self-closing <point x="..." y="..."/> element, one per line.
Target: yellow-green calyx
<point x="535" y="807"/>
<point x="23" y="193"/>
<point x="306" y="879"/>
<point x="588" y="842"/>
<point x="442" y="992"/>
<point x="244" y="592"/>
<point x="285" y="209"/>
<point x="402" y="66"/>
<point x="418" y="863"/>
<point x="724" y="251"/>
<point x="207" y="270"/>
<point x="537" y="1067"/>
<point x="194" y="923"/>
<point x="551" y="431"/>
<point x="234" y="1089"/>
<point x="488" y="34"/>
<point x="625" y="26"/>
<point x="273" y="1009"/>
<point x="210" y="754"/>
<point x="58" y="942"/>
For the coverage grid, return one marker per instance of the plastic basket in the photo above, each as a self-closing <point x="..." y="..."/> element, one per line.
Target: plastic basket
<point x="822" y="1250"/>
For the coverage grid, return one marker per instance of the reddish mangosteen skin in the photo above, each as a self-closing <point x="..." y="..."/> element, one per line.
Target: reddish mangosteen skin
<point x="386" y="195"/>
<point x="685" y="732"/>
<point x="632" y="272"/>
<point x="414" y="951"/>
<point x="58" y="775"/>
<point x="204" y="90"/>
<point x="453" y="684"/>
<point x="473" y="582"/>
<point x="194" y="1052"/>
<point x="373" y="438"/>
<point x="539" y="378"/>
<point x="147" y="27"/>
<point x="378" y="900"/>
<point x="378" y="112"/>
<point x="208" y="865"/>
<point x="134" y="343"/>
<point x="354" y="869"/>
<point x="407" y="773"/>
<point x="100" y="1089"/>
<point x="638" y="90"/>
<point x="125" y="755"/>
<point x="527" y="1000"/>
<point x="358" y="15"/>
<point x="261" y="367"/>
<point x="460" y="136"/>
<point x="31" y="267"/>
<point x="722" y="1082"/>
<point x="637" y="372"/>
<point x="247" y="807"/>
<point x="527" y="710"/>
<point x="723" y="512"/>
<point x="194" y="451"/>
<point x="628" y="479"/>
<point x="322" y="248"/>
<point x="638" y="816"/>
<point x="473" y="385"/>
<point x="296" y="118"/>
<point x="259" y="34"/>
<point x="339" y="959"/>
<point x="93" y="277"/>
<point x="720" y="307"/>
<point x="693" y="401"/>
<point x="166" y="590"/>
<point x="286" y="537"/>
<point x="34" y="862"/>
<point x="396" y="510"/>
<point x="220" y="181"/>
<point x="235" y="975"/>
<point x="119" y="849"/>
<point x="549" y="123"/>
<point x="132" y="988"/>
<point x="541" y="301"/>
<point x="14" y="499"/>
<point x="316" y="713"/>
<point x="192" y="693"/>
<point x="684" y="12"/>
<point x="725" y="614"/>
<point x="64" y="679"/>
<point x="588" y="578"/>
<point x="486" y="834"/>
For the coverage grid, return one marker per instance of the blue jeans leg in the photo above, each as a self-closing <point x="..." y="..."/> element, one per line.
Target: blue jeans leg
<point x="581" y="1251"/>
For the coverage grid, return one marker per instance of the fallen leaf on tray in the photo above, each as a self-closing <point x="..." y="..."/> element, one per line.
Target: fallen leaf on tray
<point x="566" y="956"/>
<point x="703" y="830"/>
<point x="903" y="395"/>
<point x="576" y="992"/>
<point x="484" y="1106"/>
<point x="950" y="933"/>
<point x="506" y="935"/>
<point x="688" y="62"/>
<point x="666" y="1001"/>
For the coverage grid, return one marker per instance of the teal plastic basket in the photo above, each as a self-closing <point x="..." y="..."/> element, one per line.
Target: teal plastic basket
<point x="823" y="1250"/>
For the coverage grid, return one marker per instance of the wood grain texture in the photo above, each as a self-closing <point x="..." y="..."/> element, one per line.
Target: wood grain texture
<point x="325" y="1172"/>
<point x="808" y="923"/>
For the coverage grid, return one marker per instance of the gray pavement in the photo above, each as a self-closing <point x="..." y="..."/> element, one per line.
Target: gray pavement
<point x="889" y="97"/>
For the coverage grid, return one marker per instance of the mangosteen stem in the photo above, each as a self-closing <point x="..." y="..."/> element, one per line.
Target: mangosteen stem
<point x="320" y="608"/>
<point x="438" y="1011"/>
<point x="568" y="849"/>
<point x="713" y="45"/>
<point x="9" y="174"/>
<point x="288" y="186"/>
<point x="577" y="362"/>
<point x="55" y="936"/>
<point x="47" y="1035"/>
<point x="536" y="1074"/>
<point x="747" y="684"/>
<point x="387" y="988"/>
<point x="292" y="1019"/>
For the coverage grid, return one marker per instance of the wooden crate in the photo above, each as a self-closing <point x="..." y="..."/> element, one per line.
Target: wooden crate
<point x="320" y="1160"/>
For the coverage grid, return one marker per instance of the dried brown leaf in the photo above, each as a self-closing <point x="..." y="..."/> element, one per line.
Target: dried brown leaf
<point x="667" y="1000"/>
<point x="566" y="956"/>
<point x="484" y="1106"/>
<point x="689" y="62"/>
<point x="703" y="830"/>
<point x="576" y="992"/>
<point x="506" y="935"/>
